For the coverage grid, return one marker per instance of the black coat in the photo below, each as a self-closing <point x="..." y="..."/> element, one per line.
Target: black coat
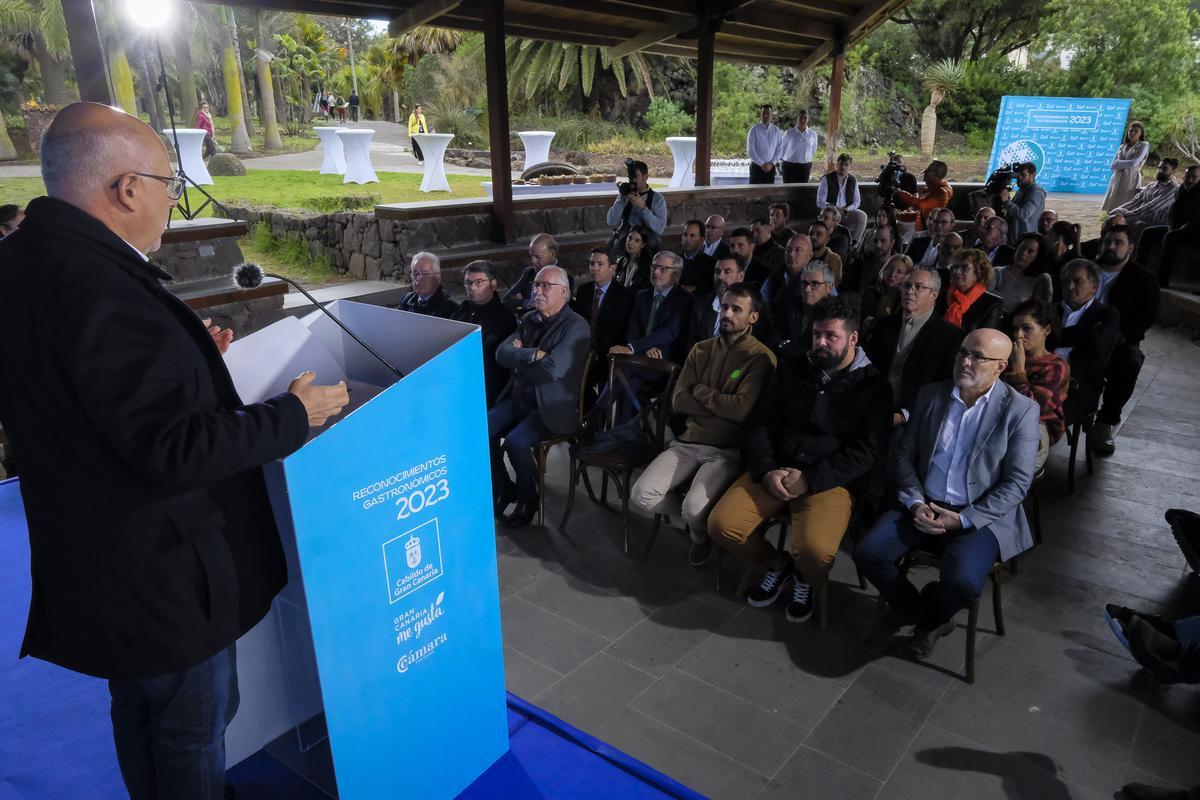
<point x="917" y="247"/>
<point x="439" y="304"/>
<point x="768" y="260"/>
<point x="1091" y="339"/>
<point x="152" y="541"/>
<point x="1134" y="294"/>
<point x="930" y="360"/>
<point x="670" y="329"/>
<point x="698" y="273"/>
<point x="722" y="251"/>
<point x="496" y="321"/>
<point x="986" y="312"/>
<point x="613" y="319"/>
<point x="641" y="270"/>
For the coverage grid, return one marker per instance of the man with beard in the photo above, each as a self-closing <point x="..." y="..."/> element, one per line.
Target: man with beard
<point x="1128" y="287"/>
<point x="819" y="232"/>
<point x="1153" y="201"/>
<point x="718" y="388"/>
<point x="865" y="263"/>
<point x="822" y="424"/>
<point x="995" y="242"/>
<point x="961" y="471"/>
<point x="923" y="250"/>
<point x="1024" y="208"/>
<point x="706" y="311"/>
<point x="484" y="308"/>
<point x="766" y="250"/>
<point x="697" y="264"/>
<point x="1182" y="228"/>
<point x="796" y="308"/>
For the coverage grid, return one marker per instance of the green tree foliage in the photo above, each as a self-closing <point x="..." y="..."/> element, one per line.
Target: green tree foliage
<point x="737" y="94"/>
<point x="957" y="30"/>
<point x="973" y="108"/>
<point x="667" y="118"/>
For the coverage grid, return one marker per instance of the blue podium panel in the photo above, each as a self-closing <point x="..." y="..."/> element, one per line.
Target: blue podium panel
<point x="1071" y="139"/>
<point x="393" y="527"/>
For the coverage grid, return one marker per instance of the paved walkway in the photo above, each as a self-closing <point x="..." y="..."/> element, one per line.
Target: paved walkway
<point x="738" y="703"/>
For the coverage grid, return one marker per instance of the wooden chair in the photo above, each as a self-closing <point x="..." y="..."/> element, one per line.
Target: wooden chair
<point x="542" y="451"/>
<point x="1078" y="425"/>
<point x="1033" y="512"/>
<point x="620" y="463"/>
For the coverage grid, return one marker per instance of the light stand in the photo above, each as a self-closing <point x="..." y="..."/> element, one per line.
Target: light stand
<point x="184" y="206"/>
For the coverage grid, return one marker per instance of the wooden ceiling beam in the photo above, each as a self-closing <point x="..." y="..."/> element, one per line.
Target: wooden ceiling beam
<point x="422" y="13"/>
<point x="334" y="8"/>
<point x="818" y="7"/>
<point x="782" y="36"/>
<point x="767" y="21"/>
<point x="608" y="8"/>
<point x="869" y="17"/>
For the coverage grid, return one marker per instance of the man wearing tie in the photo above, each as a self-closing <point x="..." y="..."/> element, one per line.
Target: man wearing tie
<point x="427" y="295"/>
<point x="762" y="145"/>
<point x="606" y="304"/>
<point x="658" y="324"/>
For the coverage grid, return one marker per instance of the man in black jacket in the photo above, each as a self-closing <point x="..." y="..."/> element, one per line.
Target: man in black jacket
<point x="1182" y="228"/>
<point x="697" y="265"/>
<point x="706" y="310"/>
<point x="543" y="252"/>
<point x="1086" y="334"/>
<point x="114" y="392"/>
<point x="1133" y="291"/>
<point x="821" y="426"/>
<point x="484" y="308"/>
<point x="427" y="295"/>
<point x="606" y="304"/>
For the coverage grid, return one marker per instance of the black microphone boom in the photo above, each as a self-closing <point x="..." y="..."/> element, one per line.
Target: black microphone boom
<point x="248" y="276"/>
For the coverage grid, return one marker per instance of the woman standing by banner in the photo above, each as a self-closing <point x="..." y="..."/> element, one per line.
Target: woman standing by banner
<point x="1127" y="167"/>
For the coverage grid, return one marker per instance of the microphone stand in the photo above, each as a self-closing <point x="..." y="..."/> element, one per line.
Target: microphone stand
<point x="329" y="314"/>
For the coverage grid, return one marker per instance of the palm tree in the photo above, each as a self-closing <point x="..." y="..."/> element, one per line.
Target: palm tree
<point x="266" y="106"/>
<point x="40" y="32"/>
<point x="240" y="140"/>
<point x="942" y="80"/>
<point x="538" y="64"/>
<point x="114" y="34"/>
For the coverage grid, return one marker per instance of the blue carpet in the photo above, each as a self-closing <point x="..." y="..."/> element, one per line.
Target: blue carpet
<point x="56" y="740"/>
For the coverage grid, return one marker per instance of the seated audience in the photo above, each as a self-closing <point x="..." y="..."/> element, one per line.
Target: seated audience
<point x="427" y="295"/>
<point x="766" y="250"/>
<point x="882" y="298"/>
<point x="11" y="217"/>
<point x="866" y="262"/>
<point x="1160" y="243"/>
<point x="818" y="232"/>
<point x="1086" y="333"/>
<point x="793" y="308"/>
<point x="1025" y="277"/>
<point x="1091" y="248"/>
<point x="923" y="249"/>
<point x="1046" y="220"/>
<point x="606" y="304"/>
<point x="839" y="236"/>
<point x="1025" y="207"/>
<point x="547" y="357"/>
<point x="496" y="321"/>
<point x="1037" y="373"/>
<point x="936" y="194"/>
<point x="973" y="237"/>
<point x="947" y="252"/>
<point x="885" y="217"/>
<point x="633" y="268"/>
<point x="697" y="265"/>
<point x="961" y="469"/>
<point x="967" y="303"/>
<point x="714" y="237"/>
<point x="543" y="252"/>
<point x="915" y="347"/>
<point x="658" y="324"/>
<point x="780" y="214"/>
<point x="741" y="247"/>
<point x="705" y="320"/>
<point x="1132" y="290"/>
<point x="1152" y="203"/>
<point x="722" y="380"/>
<point x="839" y="189"/>
<point x="643" y="206"/>
<point x="995" y="242"/>
<point x="1062" y="246"/>
<point x="823" y="423"/>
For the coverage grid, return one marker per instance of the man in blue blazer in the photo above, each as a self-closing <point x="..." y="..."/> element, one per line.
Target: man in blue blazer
<point x="962" y="468"/>
<point x="659" y="322"/>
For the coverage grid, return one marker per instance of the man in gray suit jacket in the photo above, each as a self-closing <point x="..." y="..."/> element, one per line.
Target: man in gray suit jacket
<point x="546" y="356"/>
<point x="962" y="468"/>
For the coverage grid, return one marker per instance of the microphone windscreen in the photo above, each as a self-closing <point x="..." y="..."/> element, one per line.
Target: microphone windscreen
<point x="248" y="276"/>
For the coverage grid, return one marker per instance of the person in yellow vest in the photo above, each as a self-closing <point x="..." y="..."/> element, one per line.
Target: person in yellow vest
<point x="417" y="124"/>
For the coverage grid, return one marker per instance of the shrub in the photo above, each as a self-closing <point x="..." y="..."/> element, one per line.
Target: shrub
<point x="667" y="118"/>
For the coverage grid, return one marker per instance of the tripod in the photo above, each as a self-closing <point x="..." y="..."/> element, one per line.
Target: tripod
<point x="184" y="206"/>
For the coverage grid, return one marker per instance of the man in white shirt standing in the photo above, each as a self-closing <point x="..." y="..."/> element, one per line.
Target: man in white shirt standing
<point x="798" y="149"/>
<point x="762" y="145"/>
<point x="962" y="468"/>
<point x="840" y="190"/>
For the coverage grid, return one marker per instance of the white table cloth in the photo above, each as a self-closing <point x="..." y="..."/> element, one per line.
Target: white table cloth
<point x="191" y="153"/>
<point x="683" y="148"/>
<point x="334" y="162"/>
<point x="356" y="144"/>
<point x="433" y="146"/>
<point x="537" y="146"/>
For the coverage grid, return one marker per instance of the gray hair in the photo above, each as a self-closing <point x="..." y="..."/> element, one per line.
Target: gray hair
<point x="434" y="261"/>
<point x="818" y="267"/>
<point x="1093" y="269"/>
<point x="82" y="162"/>
<point x="935" y="280"/>
<point x="560" y="275"/>
<point x="998" y="220"/>
<point x="837" y="214"/>
<point x="675" y="259"/>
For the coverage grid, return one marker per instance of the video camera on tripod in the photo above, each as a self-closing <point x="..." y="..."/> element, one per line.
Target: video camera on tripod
<point x="894" y="177"/>
<point x="1002" y="178"/>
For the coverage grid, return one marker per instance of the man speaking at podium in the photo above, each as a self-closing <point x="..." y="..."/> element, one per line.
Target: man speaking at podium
<point x="152" y="542"/>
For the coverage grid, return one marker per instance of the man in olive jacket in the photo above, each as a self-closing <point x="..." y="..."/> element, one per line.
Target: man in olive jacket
<point x="823" y="423"/>
<point x="719" y="388"/>
<point x="152" y="542"/>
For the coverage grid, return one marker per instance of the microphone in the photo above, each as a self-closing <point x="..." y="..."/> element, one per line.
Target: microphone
<point x="248" y="276"/>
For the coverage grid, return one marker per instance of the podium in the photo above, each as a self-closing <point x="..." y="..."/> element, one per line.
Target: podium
<point x="390" y="622"/>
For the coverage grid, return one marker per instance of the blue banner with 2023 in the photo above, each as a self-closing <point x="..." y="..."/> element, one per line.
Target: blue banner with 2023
<point x="1072" y="140"/>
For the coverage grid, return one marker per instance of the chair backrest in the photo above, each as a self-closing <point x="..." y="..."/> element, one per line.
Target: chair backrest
<point x="588" y="363"/>
<point x="620" y="370"/>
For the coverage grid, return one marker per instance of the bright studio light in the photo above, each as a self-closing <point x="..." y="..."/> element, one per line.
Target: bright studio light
<point x="149" y="14"/>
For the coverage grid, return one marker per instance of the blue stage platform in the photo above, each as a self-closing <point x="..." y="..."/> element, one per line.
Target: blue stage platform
<point x="56" y="741"/>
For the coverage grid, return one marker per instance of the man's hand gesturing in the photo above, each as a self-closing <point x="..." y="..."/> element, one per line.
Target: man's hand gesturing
<point x="321" y="402"/>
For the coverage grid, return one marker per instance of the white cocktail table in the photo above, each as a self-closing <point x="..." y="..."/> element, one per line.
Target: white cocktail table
<point x="683" y="148"/>
<point x="537" y="146"/>
<point x="356" y="145"/>
<point x="334" y="162"/>
<point x="433" y="146"/>
<point x="191" y="153"/>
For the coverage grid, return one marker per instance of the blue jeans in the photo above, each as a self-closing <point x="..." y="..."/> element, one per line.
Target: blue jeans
<point x="967" y="558"/>
<point x="170" y="730"/>
<point x="519" y="425"/>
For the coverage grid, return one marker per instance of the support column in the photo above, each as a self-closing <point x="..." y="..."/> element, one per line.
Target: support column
<point x="707" y="31"/>
<point x="86" y="51"/>
<point x="497" y="101"/>
<point x="835" y="101"/>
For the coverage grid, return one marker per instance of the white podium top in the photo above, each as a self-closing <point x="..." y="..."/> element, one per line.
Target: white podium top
<point x="190" y="131"/>
<point x="355" y="131"/>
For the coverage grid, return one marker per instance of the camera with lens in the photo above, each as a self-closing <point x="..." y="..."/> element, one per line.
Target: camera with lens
<point x="889" y="180"/>
<point x="1002" y="178"/>
<point x="631" y="170"/>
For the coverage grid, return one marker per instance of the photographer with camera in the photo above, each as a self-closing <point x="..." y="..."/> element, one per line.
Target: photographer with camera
<point x="936" y="194"/>
<point x="1023" y="209"/>
<point x="636" y="204"/>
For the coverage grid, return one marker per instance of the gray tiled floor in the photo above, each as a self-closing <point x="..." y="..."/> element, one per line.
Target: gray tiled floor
<point x="738" y="703"/>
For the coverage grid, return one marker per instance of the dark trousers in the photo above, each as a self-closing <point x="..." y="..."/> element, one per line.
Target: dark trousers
<point x="794" y="172"/>
<point x="354" y="113"/>
<point x="759" y="175"/>
<point x="521" y="428"/>
<point x="1168" y="242"/>
<point x="170" y="730"/>
<point x="417" y="150"/>
<point x="210" y="147"/>
<point x="1120" y="378"/>
<point x="967" y="559"/>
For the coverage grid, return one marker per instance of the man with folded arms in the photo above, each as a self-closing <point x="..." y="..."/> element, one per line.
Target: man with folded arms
<point x="961" y="470"/>
<point x="822" y="424"/>
<point x="718" y="388"/>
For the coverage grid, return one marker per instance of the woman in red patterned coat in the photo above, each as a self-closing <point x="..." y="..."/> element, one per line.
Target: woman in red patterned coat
<point x="1038" y="373"/>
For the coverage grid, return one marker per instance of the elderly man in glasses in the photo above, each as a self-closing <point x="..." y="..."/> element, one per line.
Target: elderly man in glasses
<point x="427" y="295"/>
<point x="961" y="470"/>
<point x="547" y="356"/>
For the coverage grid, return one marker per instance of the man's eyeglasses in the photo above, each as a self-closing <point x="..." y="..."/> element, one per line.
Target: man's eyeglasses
<point x="475" y="284"/>
<point x="544" y="286"/>
<point x="418" y="275"/>
<point x="812" y="284"/>
<point x="975" y="357"/>
<point x="174" y="183"/>
<point x="914" y="287"/>
<point x="714" y="227"/>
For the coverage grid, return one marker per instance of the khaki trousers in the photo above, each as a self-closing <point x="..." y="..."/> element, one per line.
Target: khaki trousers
<point x="818" y="522"/>
<point x="704" y="470"/>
